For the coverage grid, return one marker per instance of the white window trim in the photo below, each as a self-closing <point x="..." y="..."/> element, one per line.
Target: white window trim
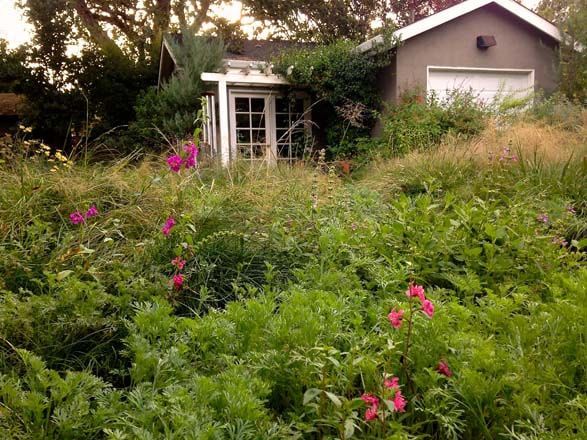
<point x="531" y="72"/>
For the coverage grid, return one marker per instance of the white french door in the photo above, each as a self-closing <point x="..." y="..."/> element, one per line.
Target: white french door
<point x="268" y="126"/>
<point x="252" y="131"/>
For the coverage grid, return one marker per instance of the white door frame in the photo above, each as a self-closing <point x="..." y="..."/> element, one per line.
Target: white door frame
<point x="269" y="96"/>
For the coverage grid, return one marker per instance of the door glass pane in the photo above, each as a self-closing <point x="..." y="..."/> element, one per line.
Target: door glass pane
<point x="245" y="151"/>
<point x="243" y="136"/>
<point x="241" y="104"/>
<point x="258" y="136"/>
<point x="282" y="136"/>
<point x="298" y="106"/>
<point x="281" y="105"/>
<point x="258" y="151"/>
<point x="258" y="105"/>
<point x="283" y="150"/>
<point x="258" y="120"/>
<point x="282" y="120"/>
<point x="243" y="120"/>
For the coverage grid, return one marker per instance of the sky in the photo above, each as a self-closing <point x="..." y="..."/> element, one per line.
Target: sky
<point x="13" y="26"/>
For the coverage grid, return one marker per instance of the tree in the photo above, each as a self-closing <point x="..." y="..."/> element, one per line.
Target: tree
<point x="571" y="17"/>
<point x="131" y="27"/>
<point x="327" y="21"/>
<point x="12" y="69"/>
<point x="409" y="11"/>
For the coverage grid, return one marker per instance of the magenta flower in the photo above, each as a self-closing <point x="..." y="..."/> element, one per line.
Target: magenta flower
<point x="395" y="318"/>
<point x="178" y="262"/>
<point x="428" y="308"/>
<point x="169" y="224"/>
<point x="415" y="290"/>
<point x="370" y="399"/>
<point x="371" y="413"/>
<point x="177" y="281"/>
<point x="174" y="163"/>
<point x="92" y="212"/>
<point x="392" y="383"/>
<point x="76" y="218"/>
<point x="192" y="152"/>
<point x="443" y="369"/>
<point x="399" y="402"/>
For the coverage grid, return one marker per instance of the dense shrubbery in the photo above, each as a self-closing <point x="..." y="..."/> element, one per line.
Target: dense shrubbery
<point x="343" y="81"/>
<point x="420" y="121"/>
<point x="173" y="109"/>
<point x="279" y="327"/>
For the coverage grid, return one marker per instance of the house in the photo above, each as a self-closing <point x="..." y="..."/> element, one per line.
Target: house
<point x="491" y="47"/>
<point x="253" y="113"/>
<point x="10" y="110"/>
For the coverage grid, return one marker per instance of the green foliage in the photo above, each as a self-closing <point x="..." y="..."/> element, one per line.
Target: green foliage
<point x="343" y="80"/>
<point x="571" y="17"/>
<point x="173" y="109"/>
<point x="419" y="122"/>
<point x="282" y="322"/>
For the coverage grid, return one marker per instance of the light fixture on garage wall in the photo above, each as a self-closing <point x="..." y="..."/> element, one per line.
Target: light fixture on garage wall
<point x="484" y="42"/>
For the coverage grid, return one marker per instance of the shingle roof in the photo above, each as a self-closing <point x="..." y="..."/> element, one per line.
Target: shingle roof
<point x="262" y="50"/>
<point x="10" y="104"/>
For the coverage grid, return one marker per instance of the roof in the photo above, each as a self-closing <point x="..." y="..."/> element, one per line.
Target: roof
<point x="461" y="9"/>
<point x="262" y="50"/>
<point x="10" y="104"/>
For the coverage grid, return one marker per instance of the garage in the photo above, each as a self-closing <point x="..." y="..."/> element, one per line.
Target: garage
<point x="488" y="85"/>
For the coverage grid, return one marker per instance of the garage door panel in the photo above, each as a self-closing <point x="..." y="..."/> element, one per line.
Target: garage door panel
<point x="486" y="85"/>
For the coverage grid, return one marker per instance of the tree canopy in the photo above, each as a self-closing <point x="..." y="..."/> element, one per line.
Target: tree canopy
<point x="329" y="21"/>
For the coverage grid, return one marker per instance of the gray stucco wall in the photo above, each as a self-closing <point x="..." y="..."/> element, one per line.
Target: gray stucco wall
<point x="519" y="46"/>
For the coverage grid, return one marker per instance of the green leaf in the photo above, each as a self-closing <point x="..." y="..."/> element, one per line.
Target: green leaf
<point x="64" y="274"/>
<point x="334" y="398"/>
<point x="310" y="395"/>
<point x="349" y="428"/>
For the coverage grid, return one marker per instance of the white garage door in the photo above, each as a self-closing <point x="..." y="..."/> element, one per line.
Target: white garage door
<point x="487" y="85"/>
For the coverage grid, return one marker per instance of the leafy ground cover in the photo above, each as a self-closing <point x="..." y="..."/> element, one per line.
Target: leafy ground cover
<point x="260" y="304"/>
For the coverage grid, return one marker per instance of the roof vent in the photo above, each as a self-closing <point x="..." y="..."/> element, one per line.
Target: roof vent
<point x="486" y="41"/>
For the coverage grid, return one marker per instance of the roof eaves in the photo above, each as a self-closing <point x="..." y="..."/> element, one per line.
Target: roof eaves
<point x="459" y="10"/>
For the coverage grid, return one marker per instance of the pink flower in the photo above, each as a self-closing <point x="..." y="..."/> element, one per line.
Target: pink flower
<point x="92" y="212"/>
<point x="169" y="224"/>
<point x="415" y="290"/>
<point x="399" y="402"/>
<point x="428" y="308"/>
<point x="178" y="262"/>
<point x="192" y="151"/>
<point x="391" y="383"/>
<point x="395" y="318"/>
<point x="542" y="218"/>
<point x="177" y="281"/>
<point x="443" y="369"/>
<point x="371" y="413"/>
<point x="76" y="218"/>
<point x="370" y="399"/>
<point x="571" y="209"/>
<point x="174" y="163"/>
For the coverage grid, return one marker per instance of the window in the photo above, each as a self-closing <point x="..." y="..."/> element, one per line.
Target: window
<point x="250" y="127"/>
<point x="266" y="127"/>
<point x="290" y="128"/>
